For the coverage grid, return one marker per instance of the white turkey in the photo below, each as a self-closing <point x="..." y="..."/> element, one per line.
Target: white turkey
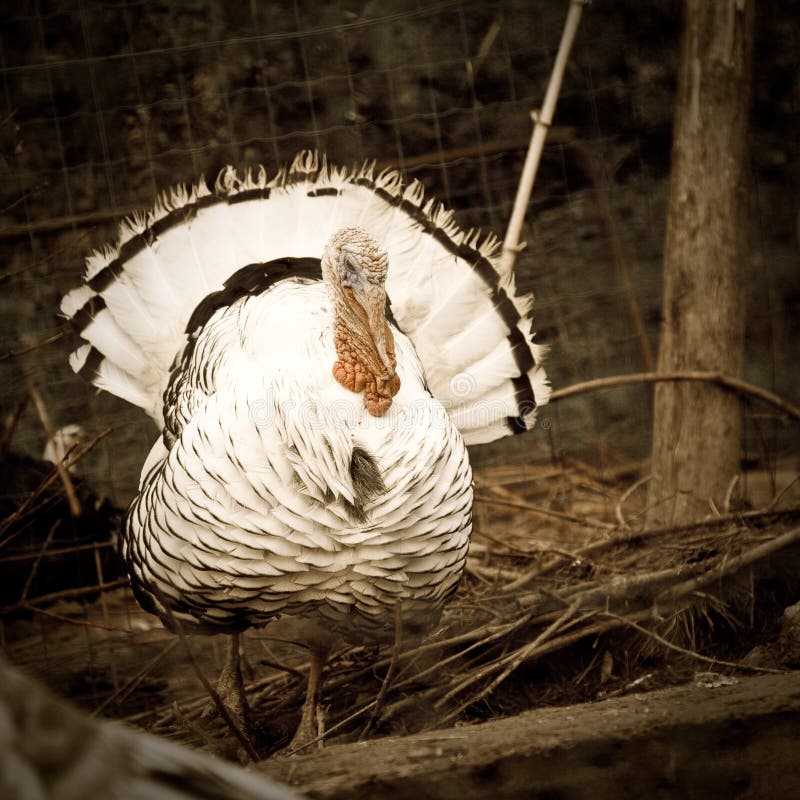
<point x="317" y="350"/>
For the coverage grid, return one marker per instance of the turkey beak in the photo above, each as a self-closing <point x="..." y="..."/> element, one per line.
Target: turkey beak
<point x="376" y="316"/>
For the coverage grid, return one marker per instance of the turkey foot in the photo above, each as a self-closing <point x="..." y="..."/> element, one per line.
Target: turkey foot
<point x="311" y="720"/>
<point x="230" y="688"/>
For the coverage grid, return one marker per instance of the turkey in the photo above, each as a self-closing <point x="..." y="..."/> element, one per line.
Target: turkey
<point x="317" y="350"/>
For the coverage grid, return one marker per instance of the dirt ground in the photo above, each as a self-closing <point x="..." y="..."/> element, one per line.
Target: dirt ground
<point x="561" y="604"/>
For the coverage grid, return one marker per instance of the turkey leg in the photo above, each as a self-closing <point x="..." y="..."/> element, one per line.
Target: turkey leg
<point x="310" y="726"/>
<point x="230" y="688"/>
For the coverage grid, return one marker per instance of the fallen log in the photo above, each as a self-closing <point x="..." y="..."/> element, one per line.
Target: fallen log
<point x="736" y="740"/>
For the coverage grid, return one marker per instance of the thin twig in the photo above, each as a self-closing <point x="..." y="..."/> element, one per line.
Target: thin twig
<point x="58" y="551"/>
<point x="548" y="566"/>
<point x="49" y="340"/>
<point x="545" y="512"/>
<point x="510" y="664"/>
<point x="63" y="473"/>
<point x="277" y="665"/>
<point x="729" y="494"/>
<point x="8" y="117"/>
<point x="355" y="715"/>
<point x="46" y="612"/>
<point x="71" y="221"/>
<point x="558" y="135"/>
<point x="731" y="566"/>
<point x="474" y="65"/>
<point x="479" y="635"/>
<point x="625" y="496"/>
<point x="64" y="594"/>
<point x="124" y="691"/>
<point x="35" y="568"/>
<point x="175" y="625"/>
<point x="778" y="497"/>
<point x="387" y="681"/>
<point x="53" y="254"/>
<point x="726" y="381"/>
<point x="677" y="648"/>
<point x="22" y="198"/>
<point x="10" y="426"/>
<point x="506" y="631"/>
<point x="607" y="476"/>
<point x="180" y="717"/>
<point x="489" y="574"/>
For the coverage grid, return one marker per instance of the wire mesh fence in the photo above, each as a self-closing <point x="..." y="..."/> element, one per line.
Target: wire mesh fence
<point x="108" y="104"/>
<point x="105" y="104"/>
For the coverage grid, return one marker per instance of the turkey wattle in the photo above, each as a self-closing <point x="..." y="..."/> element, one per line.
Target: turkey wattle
<point x="316" y="350"/>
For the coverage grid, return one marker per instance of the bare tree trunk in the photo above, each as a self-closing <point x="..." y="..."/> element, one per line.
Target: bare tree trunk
<point x="697" y="428"/>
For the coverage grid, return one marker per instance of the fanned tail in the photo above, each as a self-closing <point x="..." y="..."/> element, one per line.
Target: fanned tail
<point x="470" y="327"/>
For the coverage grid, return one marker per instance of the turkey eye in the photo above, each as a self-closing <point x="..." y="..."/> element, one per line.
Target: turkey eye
<point x="351" y="278"/>
<point x="347" y="274"/>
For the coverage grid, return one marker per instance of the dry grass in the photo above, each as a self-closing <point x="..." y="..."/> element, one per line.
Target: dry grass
<point x="565" y="597"/>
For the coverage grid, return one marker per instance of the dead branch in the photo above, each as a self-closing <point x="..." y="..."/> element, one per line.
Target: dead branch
<point x="505" y="632"/>
<point x="731" y="566"/>
<point x="241" y="736"/>
<point x="64" y="594"/>
<point x="625" y="496"/>
<point x="57" y="551"/>
<point x="489" y="574"/>
<point x="505" y="665"/>
<point x="63" y="473"/>
<point x="545" y="512"/>
<point x="726" y="381"/>
<point x="626" y="588"/>
<point x="10" y="426"/>
<point x="35" y="568"/>
<point x="740" y="517"/>
<point x="49" y="340"/>
<point x="685" y="651"/>
<point x="387" y="681"/>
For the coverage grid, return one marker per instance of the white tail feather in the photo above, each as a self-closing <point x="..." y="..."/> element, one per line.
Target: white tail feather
<point x="445" y="290"/>
<point x="103" y="332"/>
